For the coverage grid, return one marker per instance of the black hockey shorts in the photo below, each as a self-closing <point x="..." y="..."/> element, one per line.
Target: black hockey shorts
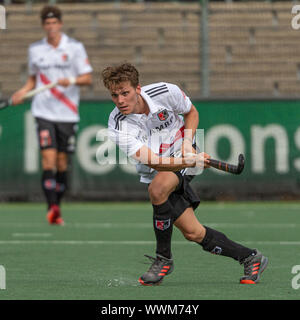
<point x="58" y="135"/>
<point x="184" y="196"/>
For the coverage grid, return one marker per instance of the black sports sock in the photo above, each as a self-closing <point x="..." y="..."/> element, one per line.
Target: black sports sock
<point x="216" y="242"/>
<point x="61" y="184"/>
<point x="163" y="227"/>
<point x="49" y="186"/>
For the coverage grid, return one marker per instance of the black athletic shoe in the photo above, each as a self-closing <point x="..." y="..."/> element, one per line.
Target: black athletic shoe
<point x="254" y="265"/>
<point x="160" y="267"/>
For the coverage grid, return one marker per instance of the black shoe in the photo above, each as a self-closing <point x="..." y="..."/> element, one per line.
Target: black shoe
<point x="160" y="267"/>
<point x="254" y="265"/>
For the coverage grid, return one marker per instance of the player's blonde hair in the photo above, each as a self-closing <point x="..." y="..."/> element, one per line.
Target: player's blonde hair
<point x="114" y="75"/>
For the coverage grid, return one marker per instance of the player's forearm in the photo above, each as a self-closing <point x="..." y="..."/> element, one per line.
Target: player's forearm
<point x="84" y="80"/>
<point x="152" y="160"/>
<point x="29" y="85"/>
<point x="18" y="96"/>
<point x="190" y="160"/>
<point x="191" y="121"/>
<point x="171" y="164"/>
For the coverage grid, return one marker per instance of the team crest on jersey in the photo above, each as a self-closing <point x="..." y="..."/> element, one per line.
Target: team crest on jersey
<point x="162" y="224"/>
<point x="65" y="57"/>
<point x="163" y="115"/>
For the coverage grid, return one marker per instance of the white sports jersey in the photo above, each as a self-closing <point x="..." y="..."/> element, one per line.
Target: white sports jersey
<point x="161" y="130"/>
<point x="49" y="64"/>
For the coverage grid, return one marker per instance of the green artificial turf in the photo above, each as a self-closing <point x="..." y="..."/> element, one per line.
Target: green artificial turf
<point x="99" y="253"/>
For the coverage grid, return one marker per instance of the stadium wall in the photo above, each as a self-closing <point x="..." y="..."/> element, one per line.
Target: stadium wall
<point x="238" y="49"/>
<point x="267" y="132"/>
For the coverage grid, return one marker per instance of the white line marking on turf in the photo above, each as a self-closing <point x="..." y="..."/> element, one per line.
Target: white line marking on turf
<point x="253" y="225"/>
<point x="129" y="242"/>
<point x="139" y="225"/>
<point x="142" y="225"/>
<point x="81" y="242"/>
<point x="43" y="235"/>
<point x="109" y="225"/>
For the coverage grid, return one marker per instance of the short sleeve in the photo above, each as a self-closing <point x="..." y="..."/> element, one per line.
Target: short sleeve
<point x="82" y="64"/>
<point x="181" y="103"/>
<point x="32" y="69"/>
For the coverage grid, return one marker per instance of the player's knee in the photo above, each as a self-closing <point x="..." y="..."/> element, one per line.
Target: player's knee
<point x="190" y="236"/>
<point x="157" y="192"/>
<point x="49" y="159"/>
<point x="48" y="164"/>
<point x="194" y="236"/>
<point x="62" y="165"/>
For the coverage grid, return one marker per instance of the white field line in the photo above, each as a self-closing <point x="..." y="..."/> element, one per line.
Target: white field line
<point x="139" y="225"/>
<point x="136" y="225"/>
<point x="129" y="242"/>
<point x="31" y="234"/>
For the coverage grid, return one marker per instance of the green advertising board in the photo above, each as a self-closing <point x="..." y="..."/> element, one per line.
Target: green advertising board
<point x="267" y="132"/>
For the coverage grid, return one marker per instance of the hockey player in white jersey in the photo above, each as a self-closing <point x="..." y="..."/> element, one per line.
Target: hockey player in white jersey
<point x="147" y="125"/>
<point x="56" y="58"/>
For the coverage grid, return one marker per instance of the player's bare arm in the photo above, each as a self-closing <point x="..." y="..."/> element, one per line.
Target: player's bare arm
<point x="18" y="96"/>
<point x="149" y="158"/>
<point x="191" y="121"/>
<point x="81" y="80"/>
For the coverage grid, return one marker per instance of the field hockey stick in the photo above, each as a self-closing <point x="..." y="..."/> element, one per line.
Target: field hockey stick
<point x="223" y="166"/>
<point x="231" y="168"/>
<point x="8" y="102"/>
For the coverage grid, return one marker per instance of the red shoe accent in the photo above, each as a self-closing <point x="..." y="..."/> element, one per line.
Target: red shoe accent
<point x="148" y="284"/>
<point x="143" y="283"/>
<point x="59" y="221"/>
<point x="247" y="282"/>
<point x="53" y="215"/>
<point x="164" y="270"/>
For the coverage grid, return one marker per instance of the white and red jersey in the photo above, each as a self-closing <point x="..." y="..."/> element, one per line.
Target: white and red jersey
<point x="161" y="130"/>
<point x="49" y="64"/>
